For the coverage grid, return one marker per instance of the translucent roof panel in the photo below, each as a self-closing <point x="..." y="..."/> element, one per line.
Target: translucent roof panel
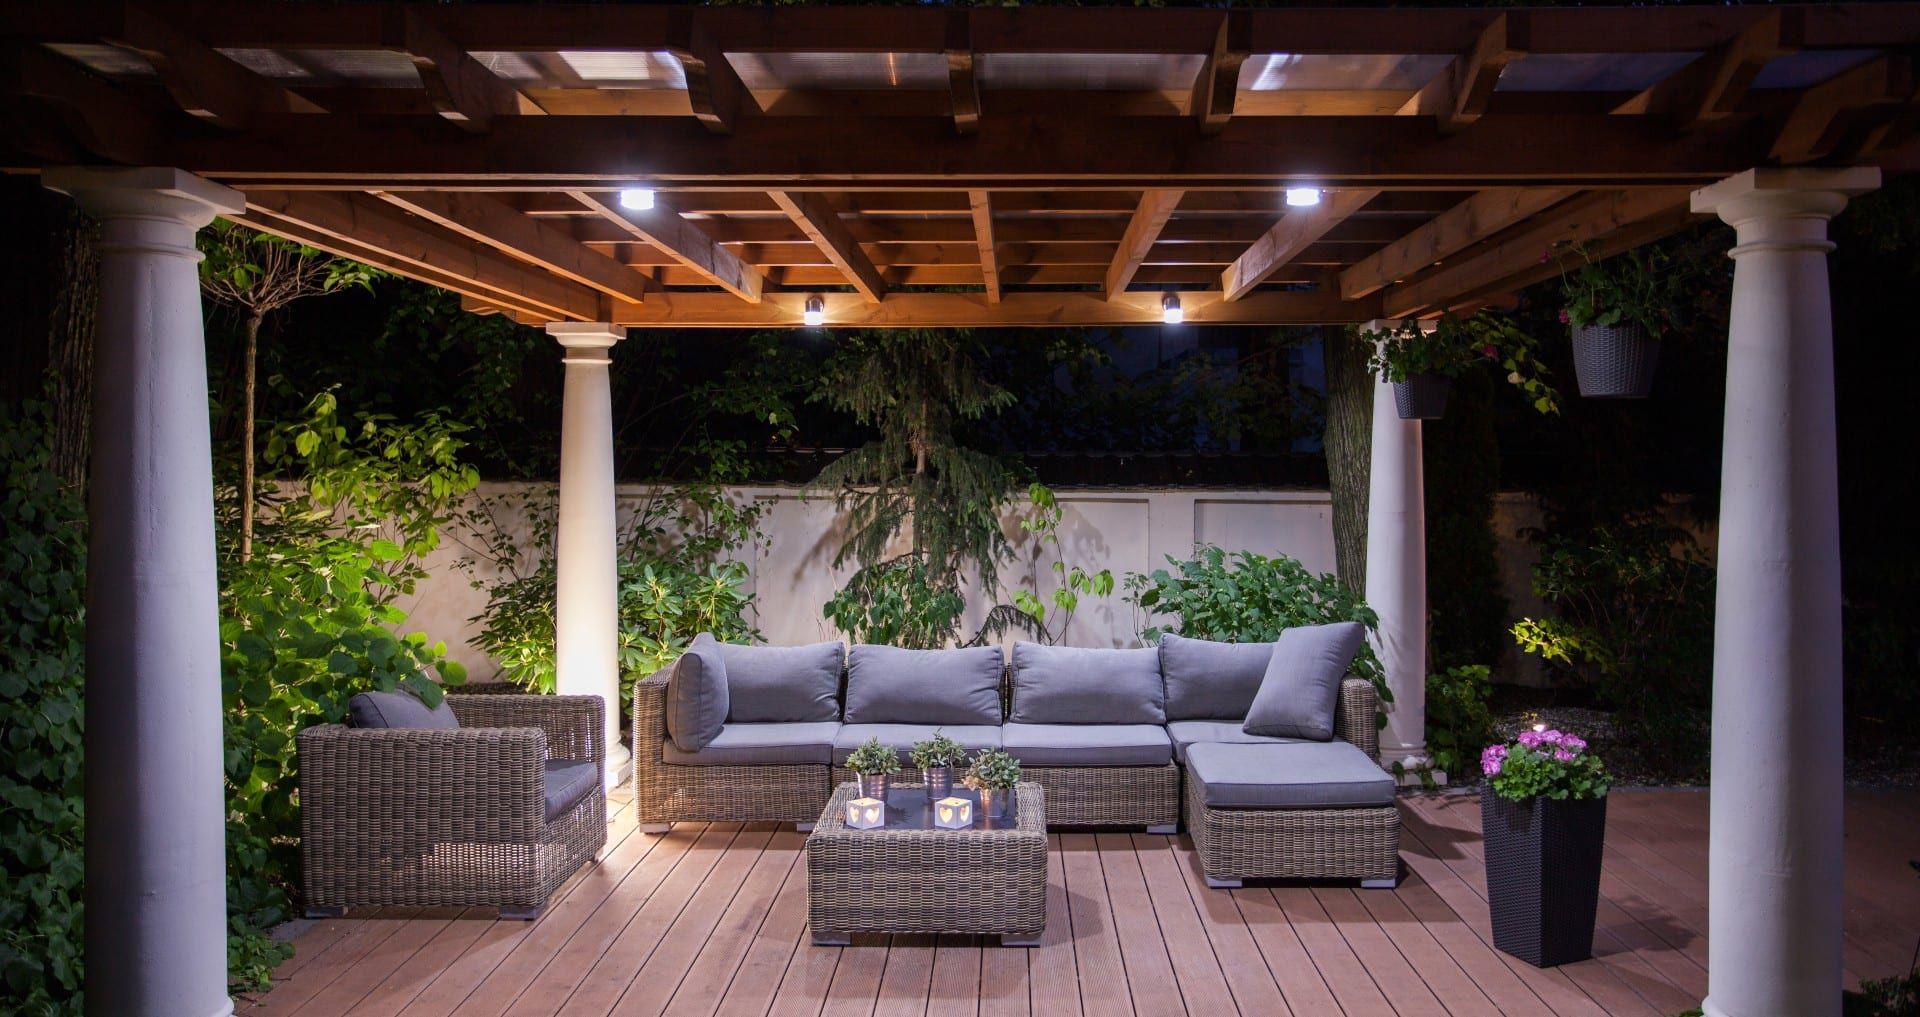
<point x="1590" y="72"/>
<point x="1809" y="67"/>
<point x="625" y="68"/>
<point x="1345" y="72"/>
<point x="1121" y="72"/>
<point x="854" y="71"/>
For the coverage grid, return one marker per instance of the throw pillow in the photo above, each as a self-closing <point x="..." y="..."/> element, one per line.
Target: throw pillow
<point x="1301" y="691"/>
<point x="888" y="685"/>
<point x="1071" y="685"/>
<point x="399" y="709"/>
<point x="783" y="684"/>
<point x="1208" y="680"/>
<point x="697" y="695"/>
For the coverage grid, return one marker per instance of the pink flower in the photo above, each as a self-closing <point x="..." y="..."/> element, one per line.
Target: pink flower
<point x="1490" y="759"/>
<point x="1552" y="737"/>
<point x="1563" y="316"/>
<point x="1531" y="739"/>
<point x="1489" y="351"/>
<point x="1574" y="742"/>
<point x="1563" y="755"/>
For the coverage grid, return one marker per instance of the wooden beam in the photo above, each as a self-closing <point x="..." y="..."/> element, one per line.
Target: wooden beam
<point x="460" y="88"/>
<point x="101" y="118"/>
<point x="664" y="228"/>
<point x="1149" y="218"/>
<point x="1582" y="220"/>
<point x="1870" y="94"/>
<point x="971" y="310"/>
<point x="822" y="225"/>
<point x="713" y="89"/>
<point x="1287" y="238"/>
<point x="1459" y="95"/>
<point x="201" y="80"/>
<point x="1215" y="88"/>
<point x="1454" y="230"/>
<point x="962" y="90"/>
<point x="980" y="204"/>
<point x="1626" y="238"/>
<point x="493" y="222"/>
<point x="1712" y="85"/>
<point x="401" y="238"/>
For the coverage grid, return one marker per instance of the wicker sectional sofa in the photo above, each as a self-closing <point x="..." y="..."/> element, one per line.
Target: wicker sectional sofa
<point x="1256" y="807"/>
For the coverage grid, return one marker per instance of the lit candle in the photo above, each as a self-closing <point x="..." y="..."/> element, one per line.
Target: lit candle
<point x="866" y="813"/>
<point x="953" y="813"/>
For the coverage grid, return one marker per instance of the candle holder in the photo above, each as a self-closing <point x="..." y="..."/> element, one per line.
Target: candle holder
<point x="953" y="813"/>
<point x="866" y="813"/>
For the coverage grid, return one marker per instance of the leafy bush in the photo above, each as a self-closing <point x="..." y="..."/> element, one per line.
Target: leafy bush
<point x="1544" y="764"/>
<point x="1634" y="619"/>
<point x="1459" y="721"/>
<point x="1071" y="582"/>
<point x="42" y="664"/>
<point x="1242" y="597"/>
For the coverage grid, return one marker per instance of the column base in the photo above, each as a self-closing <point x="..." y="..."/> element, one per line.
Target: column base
<point x="1411" y="767"/>
<point x="619" y="765"/>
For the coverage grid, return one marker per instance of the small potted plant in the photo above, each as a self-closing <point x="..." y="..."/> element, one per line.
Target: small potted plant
<point x="993" y="774"/>
<point x="936" y="757"/>
<point x="1543" y="817"/>
<point x="873" y="764"/>
<point x="1618" y="310"/>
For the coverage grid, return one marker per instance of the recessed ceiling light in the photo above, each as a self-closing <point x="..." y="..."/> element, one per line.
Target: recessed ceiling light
<point x="1301" y="197"/>
<point x="815" y="314"/>
<point x="1170" y="309"/>
<point x="637" y="199"/>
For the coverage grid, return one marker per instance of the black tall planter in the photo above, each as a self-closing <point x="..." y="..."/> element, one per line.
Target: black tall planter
<point x="1422" y="396"/>
<point x="1543" y="875"/>
<point x="1614" y="361"/>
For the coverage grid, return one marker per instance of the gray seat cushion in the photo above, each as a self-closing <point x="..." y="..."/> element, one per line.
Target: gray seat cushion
<point x="1206" y="680"/>
<point x="1298" y="775"/>
<point x="1228" y="732"/>
<point x="1087" y="744"/>
<point x="783" y="684"/>
<point x="1070" y="685"/>
<point x="567" y="782"/>
<point x="902" y="736"/>
<point x="760" y="745"/>
<point x="697" y="695"/>
<point x="1301" y="691"/>
<point x="888" y="685"/>
<point x="399" y="709"/>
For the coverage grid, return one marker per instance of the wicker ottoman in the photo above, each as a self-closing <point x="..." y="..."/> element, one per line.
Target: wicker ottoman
<point x="894" y="880"/>
<point x="1311" y="810"/>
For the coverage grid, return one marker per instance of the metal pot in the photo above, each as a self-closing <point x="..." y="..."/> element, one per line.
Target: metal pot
<point x="874" y="785"/>
<point x="993" y="802"/>
<point x="1614" y="361"/>
<point x="939" y="781"/>
<point x="1422" y="396"/>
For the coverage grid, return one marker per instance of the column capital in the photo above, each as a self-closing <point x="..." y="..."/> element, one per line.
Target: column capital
<point x="586" y="342"/>
<point x="145" y="192"/>
<point x="1767" y="193"/>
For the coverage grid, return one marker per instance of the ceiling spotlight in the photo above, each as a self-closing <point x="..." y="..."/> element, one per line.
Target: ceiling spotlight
<point x="816" y="313"/>
<point x="1301" y="197"/>
<point x="636" y="199"/>
<point x="1170" y="310"/>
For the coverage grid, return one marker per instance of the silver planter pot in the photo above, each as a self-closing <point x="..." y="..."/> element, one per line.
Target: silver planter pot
<point x="1422" y="396"/>
<point x="939" y="781"/>
<point x="993" y="802"/>
<point x="874" y="785"/>
<point x="1614" y="361"/>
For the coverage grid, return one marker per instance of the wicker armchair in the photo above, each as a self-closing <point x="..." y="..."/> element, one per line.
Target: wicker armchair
<point x="449" y="817"/>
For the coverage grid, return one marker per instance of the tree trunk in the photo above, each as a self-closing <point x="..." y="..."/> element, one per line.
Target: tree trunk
<point x="74" y="291"/>
<point x="248" y="371"/>
<point x="1349" y="450"/>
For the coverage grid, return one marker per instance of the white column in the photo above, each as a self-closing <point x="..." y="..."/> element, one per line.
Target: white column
<point x="1397" y="573"/>
<point x="156" y="897"/>
<point x="1774" y="860"/>
<point x="586" y="598"/>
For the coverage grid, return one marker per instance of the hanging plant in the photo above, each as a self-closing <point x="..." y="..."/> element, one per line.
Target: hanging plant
<point x="1618" y="310"/>
<point x="1421" y="362"/>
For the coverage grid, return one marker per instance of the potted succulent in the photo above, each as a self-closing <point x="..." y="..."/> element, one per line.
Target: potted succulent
<point x="1543" y="818"/>
<point x="936" y="757"/>
<point x="874" y="765"/>
<point x="993" y="774"/>
<point x="1618" y="310"/>
<point x="1421" y="361"/>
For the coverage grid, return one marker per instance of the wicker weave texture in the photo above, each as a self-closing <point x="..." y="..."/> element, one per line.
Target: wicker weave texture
<point x="665" y="793"/>
<point x="1614" y="361"/>
<point x="1357" y="719"/>
<point x="1295" y="843"/>
<point x="448" y="817"/>
<point x="971" y="882"/>
<point x="1543" y="861"/>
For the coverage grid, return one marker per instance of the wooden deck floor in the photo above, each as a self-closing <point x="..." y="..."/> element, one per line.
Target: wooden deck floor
<point x="710" y="919"/>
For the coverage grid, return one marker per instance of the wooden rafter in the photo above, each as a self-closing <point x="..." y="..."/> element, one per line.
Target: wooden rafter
<point x="664" y="228"/>
<point x="714" y="90"/>
<point x="1583" y="220"/>
<point x="1857" y="102"/>
<point x="1216" y="87"/>
<point x="822" y="225"/>
<point x="1288" y="237"/>
<point x="493" y="222"/>
<point x="980" y="206"/>
<point x="460" y="88"/>
<point x="966" y="310"/>
<point x="1712" y="85"/>
<point x="100" y="118"/>
<point x="1149" y="218"/>
<point x="200" y="79"/>
<point x="1458" y="96"/>
<point x="1450" y="232"/>
<point x="963" y="91"/>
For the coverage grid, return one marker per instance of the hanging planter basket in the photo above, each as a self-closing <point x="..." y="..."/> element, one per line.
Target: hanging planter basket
<point x="1422" y="396"/>
<point x="1614" y="361"/>
<point x="1543" y="875"/>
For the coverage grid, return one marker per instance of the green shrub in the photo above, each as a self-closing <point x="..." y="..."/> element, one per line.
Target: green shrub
<point x="1242" y="597"/>
<point x="993" y="769"/>
<point x="1459" y="722"/>
<point x="42" y="665"/>
<point x="872" y="759"/>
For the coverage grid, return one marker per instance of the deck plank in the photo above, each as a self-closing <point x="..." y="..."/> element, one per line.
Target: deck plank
<point x="1096" y="941"/>
<point x="1143" y="945"/>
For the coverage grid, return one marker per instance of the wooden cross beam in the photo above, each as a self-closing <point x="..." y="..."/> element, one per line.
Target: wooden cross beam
<point x="963" y="90"/>
<point x="493" y="222"/>
<point x="1448" y="233"/>
<point x="1216" y="86"/>
<point x="818" y="220"/>
<point x="664" y="228"/>
<point x="980" y="205"/>
<point x="1459" y="95"/>
<point x="714" y="90"/>
<point x="1712" y="85"/>
<point x="460" y="88"/>
<point x="1860" y="102"/>
<point x="203" y="81"/>
<point x="1288" y="237"/>
<point x="1149" y="218"/>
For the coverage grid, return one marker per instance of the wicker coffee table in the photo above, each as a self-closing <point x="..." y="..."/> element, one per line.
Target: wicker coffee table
<point x="990" y="880"/>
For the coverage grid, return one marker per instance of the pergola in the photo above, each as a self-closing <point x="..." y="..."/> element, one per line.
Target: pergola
<point x="596" y="169"/>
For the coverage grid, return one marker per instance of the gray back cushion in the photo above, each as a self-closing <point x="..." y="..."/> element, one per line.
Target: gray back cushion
<point x="1070" y="685"/>
<point x="697" y="695"/>
<point x="1211" y="681"/>
<point x="1301" y="691"/>
<point x="888" y="685"/>
<point x="399" y="709"/>
<point x="783" y="684"/>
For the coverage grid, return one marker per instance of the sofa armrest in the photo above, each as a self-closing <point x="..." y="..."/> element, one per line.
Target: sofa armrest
<point x="650" y="717"/>
<point x="1354" y="720"/>
<point x="478" y="785"/>
<point x="574" y="725"/>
